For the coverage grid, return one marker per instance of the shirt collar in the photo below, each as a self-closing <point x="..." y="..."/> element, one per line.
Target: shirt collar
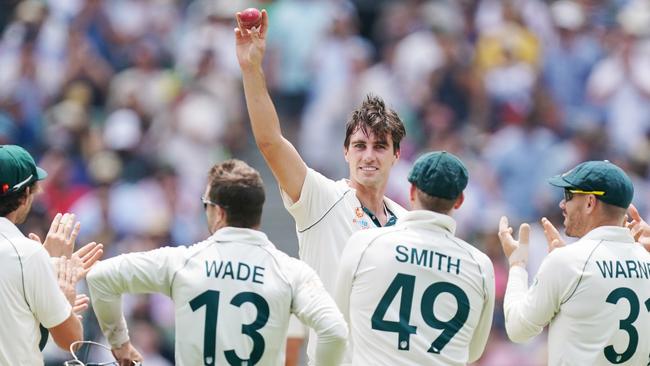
<point x="9" y="228"/>
<point x="425" y="217"/>
<point x="610" y="233"/>
<point x="240" y="235"/>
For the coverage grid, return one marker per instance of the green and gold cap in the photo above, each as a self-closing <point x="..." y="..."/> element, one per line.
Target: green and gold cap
<point x="17" y="169"/>
<point x="439" y="174"/>
<point x="607" y="181"/>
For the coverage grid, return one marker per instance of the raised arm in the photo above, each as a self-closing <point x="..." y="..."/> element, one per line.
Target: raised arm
<point x="280" y="155"/>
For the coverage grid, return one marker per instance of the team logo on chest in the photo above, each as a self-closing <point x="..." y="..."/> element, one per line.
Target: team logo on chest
<point x="359" y="219"/>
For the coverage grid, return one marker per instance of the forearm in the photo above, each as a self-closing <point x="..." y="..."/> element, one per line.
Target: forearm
<point x="515" y="307"/>
<point x="261" y="111"/>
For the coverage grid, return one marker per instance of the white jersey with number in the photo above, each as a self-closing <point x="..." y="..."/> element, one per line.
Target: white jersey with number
<point x="595" y="294"/>
<point x="30" y="296"/>
<point x="326" y="215"/>
<point x="414" y="294"/>
<point x="233" y="295"/>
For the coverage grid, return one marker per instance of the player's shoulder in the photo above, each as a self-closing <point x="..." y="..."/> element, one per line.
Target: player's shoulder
<point x="476" y="254"/>
<point x="372" y="235"/>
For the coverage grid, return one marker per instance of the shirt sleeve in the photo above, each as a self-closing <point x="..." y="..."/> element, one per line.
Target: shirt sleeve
<point x="145" y="272"/>
<point x="318" y="194"/>
<point x="42" y="291"/>
<point x="482" y="331"/>
<point x="529" y="310"/>
<point x="316" y="309"/>
<point x="350" y="258"/>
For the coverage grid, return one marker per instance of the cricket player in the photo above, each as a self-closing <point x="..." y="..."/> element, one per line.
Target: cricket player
<point x="233" y="292"/>
<point x="594" y="293"/>
<point x="30" y="288"/>
<point x="414" y="294"/>
<point x="326" y="212"/>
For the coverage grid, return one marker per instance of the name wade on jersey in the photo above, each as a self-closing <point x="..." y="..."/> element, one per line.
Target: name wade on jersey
<point x="235" y="271"/>
<point x="427" y="258"/>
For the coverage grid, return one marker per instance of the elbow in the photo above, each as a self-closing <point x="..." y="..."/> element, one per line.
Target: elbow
<point x="69" y="332"/>
<point x="516" y="333"/>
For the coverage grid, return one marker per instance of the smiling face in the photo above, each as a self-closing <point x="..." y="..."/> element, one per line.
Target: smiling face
<point x="370" y="159"/>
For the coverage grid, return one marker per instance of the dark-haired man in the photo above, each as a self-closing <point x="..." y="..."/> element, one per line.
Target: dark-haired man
<point x="30" y="288"/>
<point x="595" y="293"/>
<point x="233" y="292"/>
<point x="415" y="294"/>
<point x="326" y="212"/>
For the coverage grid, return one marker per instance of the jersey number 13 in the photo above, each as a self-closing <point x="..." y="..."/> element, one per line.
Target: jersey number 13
<point x="210" y="299"/>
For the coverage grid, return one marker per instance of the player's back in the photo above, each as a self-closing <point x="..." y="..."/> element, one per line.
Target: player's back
<point x="605" y="315"/>
<point x="419" y="295"/>
<point x="233" y="301"/>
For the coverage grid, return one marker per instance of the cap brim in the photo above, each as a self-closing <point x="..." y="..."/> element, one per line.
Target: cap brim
<point x="40" y="174"/>
<point x="558" y="181"/>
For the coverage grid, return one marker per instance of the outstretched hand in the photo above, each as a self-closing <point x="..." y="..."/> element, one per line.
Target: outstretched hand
<point x="553" y="238"/>
<point x="515" y="250"/>
<point x="61" y="237"/>
<point x="87" y="256"/>
<point x="640" y="228"/>
<point x="251" y="43"/>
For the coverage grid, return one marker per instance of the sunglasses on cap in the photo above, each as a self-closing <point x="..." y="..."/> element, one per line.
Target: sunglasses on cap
<point x="569" y="193"/>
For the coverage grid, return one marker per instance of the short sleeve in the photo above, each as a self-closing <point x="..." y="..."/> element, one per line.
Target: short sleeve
<point x="42" y="291"/>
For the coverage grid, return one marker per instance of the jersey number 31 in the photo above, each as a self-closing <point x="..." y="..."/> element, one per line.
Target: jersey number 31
<point x="406" y="283"/>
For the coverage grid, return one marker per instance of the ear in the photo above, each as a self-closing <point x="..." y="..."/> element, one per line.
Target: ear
<point x="459" y="201"/>
<point x="590" y="203"/>
<point x="398" y="153"/>
<point x="345" y="154"/>
<point x="412" y="192"/>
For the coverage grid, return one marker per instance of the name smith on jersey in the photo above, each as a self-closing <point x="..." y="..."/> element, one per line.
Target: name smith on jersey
<point x="427" y="258"/>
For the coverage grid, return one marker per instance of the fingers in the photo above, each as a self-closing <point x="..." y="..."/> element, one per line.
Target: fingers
<point x="68" y="225"/>
<point x="634" y="213"/>
<point x="524" y="233"/>
<point x="75" y="233"/>
<point x="504" y="229"/>
<point x="81" y="304"/>
<point x="35" y="237"/>
<point x="83" y="251"/>
<point x="264" y="26"/>
<point x="55" y="223"/>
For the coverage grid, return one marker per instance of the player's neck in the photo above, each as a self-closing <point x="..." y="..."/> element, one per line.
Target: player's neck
<point x="372" y="199"/>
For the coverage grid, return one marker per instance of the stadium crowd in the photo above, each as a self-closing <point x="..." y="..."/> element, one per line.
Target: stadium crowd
<point x="126" y="103"/>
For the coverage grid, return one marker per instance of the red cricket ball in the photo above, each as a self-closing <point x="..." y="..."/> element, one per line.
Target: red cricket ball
<point x="250" y="18"/>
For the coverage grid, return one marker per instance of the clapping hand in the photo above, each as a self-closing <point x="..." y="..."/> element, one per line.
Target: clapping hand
<point x="61" y="237"/>
<point x="553" y="238"/>
<point x="639" y="228"/>
<point x="515" y="251"/>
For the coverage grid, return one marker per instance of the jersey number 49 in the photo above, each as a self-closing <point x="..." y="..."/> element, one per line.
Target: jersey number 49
<point x="406" y="283"/>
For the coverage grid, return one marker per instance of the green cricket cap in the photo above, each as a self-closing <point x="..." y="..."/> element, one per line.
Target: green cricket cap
<point x="439" y="174"/>
<point x="598" y="176"/>
<point x="17" y="169"/>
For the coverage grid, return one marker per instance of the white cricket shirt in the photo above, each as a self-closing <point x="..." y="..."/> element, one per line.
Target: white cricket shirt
<point x="233" y="295"/>
<point x="30" y="296"/>
<point x="414" y="294"/>
<point x="595" y="294"/>
<point x="326" y="215"/>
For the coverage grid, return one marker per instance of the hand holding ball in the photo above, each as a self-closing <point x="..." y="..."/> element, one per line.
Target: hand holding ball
<point x="250" y="18"/>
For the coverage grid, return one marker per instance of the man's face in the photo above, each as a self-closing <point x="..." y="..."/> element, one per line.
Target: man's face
<point x="574" y="215"/>
<point x="370" y="159"/>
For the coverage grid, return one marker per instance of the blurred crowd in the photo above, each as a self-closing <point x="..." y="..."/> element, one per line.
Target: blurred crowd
<point x="127" y="103"/>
